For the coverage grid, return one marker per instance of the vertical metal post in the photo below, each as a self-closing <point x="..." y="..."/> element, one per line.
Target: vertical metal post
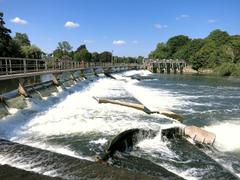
<point x="6" y="65"/>
<point x="36" y="65"/>
<point x="24" y="66"/>
<point x="10" y="66"/>
<point x="45" y="63"/>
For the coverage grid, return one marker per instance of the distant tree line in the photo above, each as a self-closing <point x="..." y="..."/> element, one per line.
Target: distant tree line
<point x="64" y="51"/>
<point x="20" y="46"/>
<point x="218" y="51"/>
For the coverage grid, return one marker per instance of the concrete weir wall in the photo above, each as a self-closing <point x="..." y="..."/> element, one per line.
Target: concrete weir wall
<point x="41" y="86"/>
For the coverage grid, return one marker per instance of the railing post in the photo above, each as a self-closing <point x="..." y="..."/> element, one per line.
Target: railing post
<point x="36" y="65"/>
<point x="10" y="66"/>
<point x="6" y="65"/>
<point x="45" y="65"/>
<point x="24" y="66"/>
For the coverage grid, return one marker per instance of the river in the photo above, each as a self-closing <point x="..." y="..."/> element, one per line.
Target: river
<point x="71" y="122"/>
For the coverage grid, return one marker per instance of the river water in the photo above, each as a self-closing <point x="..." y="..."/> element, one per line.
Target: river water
<point x="71" y="122"/>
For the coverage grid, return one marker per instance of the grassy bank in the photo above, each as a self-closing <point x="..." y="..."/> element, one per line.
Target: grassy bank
<point x="228" y="69"/>
<point x="225" y="69"/>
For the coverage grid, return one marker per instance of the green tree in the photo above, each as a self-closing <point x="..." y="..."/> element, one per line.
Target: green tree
<point x="161" y="52"/>
<point x="190" y="49"/>
<point x="176" y="42"/>
<point x="233" y="49"/>
<point x="22" y="39"/>
<point x="63" y="50"/>
<point x="5" y="38"/>
<point x="83" y="46"/>
<point x="95" y="57"/>
<point x="82" y="55"/>
<point x="219" y="37"/>
<point x="105" y="56"/>
<point x="32" y="52"/>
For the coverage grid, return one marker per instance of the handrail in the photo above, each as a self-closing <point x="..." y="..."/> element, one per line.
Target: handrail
<point x="9" y="65"/>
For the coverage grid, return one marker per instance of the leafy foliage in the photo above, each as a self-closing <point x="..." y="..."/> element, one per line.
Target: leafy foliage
<point x="22" y="39"/>
<point x="211" y="52"/>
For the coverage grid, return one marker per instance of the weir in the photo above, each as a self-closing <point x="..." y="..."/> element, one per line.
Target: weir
<point x="41" y="77"/>
<point x="166" y="66"/>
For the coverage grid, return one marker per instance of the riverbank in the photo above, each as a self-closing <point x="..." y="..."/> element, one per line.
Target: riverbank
<point x="220" y="72"/>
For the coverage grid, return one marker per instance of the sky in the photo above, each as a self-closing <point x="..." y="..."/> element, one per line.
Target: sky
<point x="125" y="27"/>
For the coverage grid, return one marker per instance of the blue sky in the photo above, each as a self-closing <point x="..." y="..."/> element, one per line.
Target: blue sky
<point x="128" y="27"/>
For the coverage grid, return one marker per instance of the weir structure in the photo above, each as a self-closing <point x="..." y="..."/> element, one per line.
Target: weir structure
<point x="165" y="66"/>
<point x="40" y="77"/>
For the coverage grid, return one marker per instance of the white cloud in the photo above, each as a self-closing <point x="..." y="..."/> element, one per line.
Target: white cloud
<point x="119" y="42"/>
<point x="182" y="16"/>
<point x="70" y="24"/>
<point x="211" y="21"/>
<point x="18" y="20"/>
<point x="87" y="41"/>
<point x="159" y="26"/>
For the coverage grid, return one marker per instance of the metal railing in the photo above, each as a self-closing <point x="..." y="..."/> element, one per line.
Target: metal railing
<point x="10" y="66"/>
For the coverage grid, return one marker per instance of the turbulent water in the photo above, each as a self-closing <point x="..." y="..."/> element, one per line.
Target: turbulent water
<point x="71" y="122"/>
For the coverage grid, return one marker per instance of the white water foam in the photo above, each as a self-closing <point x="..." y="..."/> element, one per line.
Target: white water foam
<point x="154" y="99"/>
<point x="227" y="134"/>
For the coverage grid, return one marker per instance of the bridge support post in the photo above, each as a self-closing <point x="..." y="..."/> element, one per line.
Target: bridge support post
<point x="95" y="72"/>
<point x="21" y="89"/>
<point x="181" y="65"/>
<point x="82" y="75"/>
<point x="168" y="67"/>
<point x="72" y="77"/>
<point x="55" y="79"/>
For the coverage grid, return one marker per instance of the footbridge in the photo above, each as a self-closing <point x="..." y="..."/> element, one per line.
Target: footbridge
<point x="166" y="66"/>
<point x="12" y="68"/>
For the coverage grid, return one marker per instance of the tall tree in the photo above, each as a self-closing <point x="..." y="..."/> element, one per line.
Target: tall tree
<point x="106" y="56"/>
<point x="219" y="37"/>
<point x="176" y="42"/>
<point x="63" y="50"/>
<point x="83" y="46"/>
<point x="22" y="39"/>
<point x="31" y="52"/>
<point x="5" y="38"/>
<point x="161" y="52"/>
<point x="95" y="57"/>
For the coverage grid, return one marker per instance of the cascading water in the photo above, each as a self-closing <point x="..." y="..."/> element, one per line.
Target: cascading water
<point x="71" y="122"/>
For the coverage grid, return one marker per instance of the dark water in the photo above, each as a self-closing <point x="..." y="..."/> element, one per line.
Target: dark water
<point x="71" y="122"/>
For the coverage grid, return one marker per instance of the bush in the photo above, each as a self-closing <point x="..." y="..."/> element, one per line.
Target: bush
<point x="237" y="70"/>
<point x="228" y="69"/>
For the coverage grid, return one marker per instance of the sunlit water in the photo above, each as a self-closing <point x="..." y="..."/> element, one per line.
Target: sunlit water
<point x="71" y="122"/>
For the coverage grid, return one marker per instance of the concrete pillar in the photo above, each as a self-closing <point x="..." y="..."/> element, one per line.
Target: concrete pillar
<point x="72" y="77"/>
<point x="55" y="79"/>
<point x="95" y="72"/>
<point x="21" y="89"/>
<point x="168" y="68"/>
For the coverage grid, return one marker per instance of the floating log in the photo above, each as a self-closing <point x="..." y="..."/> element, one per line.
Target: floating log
<point x="127" y="104"/>
<point x="199" y="135"/>
<point x="171" y="114"/>
<point x="141" y="108"/>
